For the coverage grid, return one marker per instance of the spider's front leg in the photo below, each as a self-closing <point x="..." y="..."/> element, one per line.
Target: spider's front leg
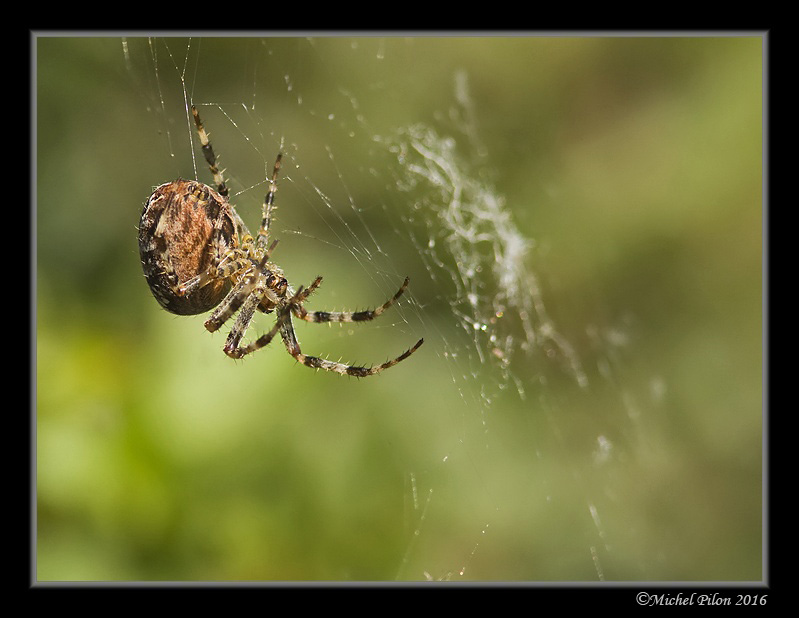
<point x="342" y="316"/>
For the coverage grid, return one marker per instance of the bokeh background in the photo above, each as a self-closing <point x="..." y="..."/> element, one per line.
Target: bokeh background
<point x="634" y="167"/>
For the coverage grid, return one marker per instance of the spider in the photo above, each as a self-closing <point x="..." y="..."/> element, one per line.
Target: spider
<point x="198" y="255"/>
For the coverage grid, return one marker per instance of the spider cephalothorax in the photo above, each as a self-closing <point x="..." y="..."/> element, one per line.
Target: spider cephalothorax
<point x="197" y="255"/>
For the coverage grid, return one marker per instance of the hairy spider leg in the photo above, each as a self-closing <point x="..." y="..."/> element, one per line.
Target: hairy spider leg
<point x="303" y="293"/>
<point x="269" y="204"/>
<point x="210" y="159"/>
<point x="262" y="341"/>
<point x="232" y="302"/>
<point x="208" y="153"/>
<point x="243" y="321"/>
<point x="314" y="362"/>
<point x="238" y="352"/>
<point x="345" y="316"/>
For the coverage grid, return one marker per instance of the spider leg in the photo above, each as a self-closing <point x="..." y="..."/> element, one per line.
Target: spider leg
<point x="208" y="152"/>
<point x="302" y="294"/>
<point x="269" y="204"/>
<point x="262" y="341"/>
<point x="342" y="316"/>
<point x="292" y="345"/>
<point x="240" y="326"/>
<point x="231" y="303"/>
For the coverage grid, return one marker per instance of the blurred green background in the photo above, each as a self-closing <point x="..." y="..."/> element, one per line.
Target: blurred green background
<point x="633" y="166"/>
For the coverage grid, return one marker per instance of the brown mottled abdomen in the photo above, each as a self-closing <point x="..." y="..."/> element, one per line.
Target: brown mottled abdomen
<point x="185" y="228"/>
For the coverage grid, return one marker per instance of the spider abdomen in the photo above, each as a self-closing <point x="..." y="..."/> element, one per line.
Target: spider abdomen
<point x="186" y="227"/>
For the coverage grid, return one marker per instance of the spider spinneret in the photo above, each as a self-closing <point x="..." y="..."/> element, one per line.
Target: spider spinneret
<point x="197" y="255"/>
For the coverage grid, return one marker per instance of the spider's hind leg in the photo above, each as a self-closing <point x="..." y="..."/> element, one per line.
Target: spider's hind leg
<point x="359" y="372"/>
<point x="314" y="362"/>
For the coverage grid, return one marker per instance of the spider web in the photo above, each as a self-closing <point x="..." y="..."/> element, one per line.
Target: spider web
<point x="382" y="196"/>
